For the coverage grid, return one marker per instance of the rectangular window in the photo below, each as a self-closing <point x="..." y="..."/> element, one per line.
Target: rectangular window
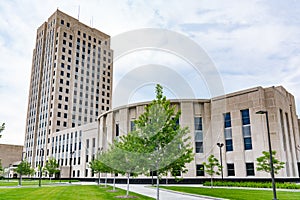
<point x="228" y="132"/>
<point x="94" y="142"/>
<point x="198" y="134"/>
<point x="132" y="126"/>
<point x="87" y="143"/>
<point x="199" y="170"/>
<point x="117" y="130"/>
<point x="230" y="169"/>
<point x="250" y="169"/>
<point x="246" y="128"/>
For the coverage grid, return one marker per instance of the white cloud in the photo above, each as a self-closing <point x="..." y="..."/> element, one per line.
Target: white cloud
<point x="251" y="42"/>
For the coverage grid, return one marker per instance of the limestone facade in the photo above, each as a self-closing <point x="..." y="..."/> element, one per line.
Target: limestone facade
<point x="71" y="82"/>
<point x="231" y="120"/>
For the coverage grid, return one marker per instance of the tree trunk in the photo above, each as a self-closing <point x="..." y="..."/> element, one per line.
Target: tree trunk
<point x="105" y="185"/>
<point x="157" y="187"/>
<point x="167" y="179"/>
<point x="99" y="178"/>
<point x="211" y="182"/>
<point x="114" y="186"/>
<point x="127" y="192"/>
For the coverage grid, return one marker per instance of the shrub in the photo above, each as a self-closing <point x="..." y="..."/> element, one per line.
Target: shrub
<point x="253" y="184"/>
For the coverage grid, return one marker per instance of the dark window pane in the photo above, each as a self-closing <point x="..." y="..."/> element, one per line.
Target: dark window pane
<point x="230" y="169"/>
<point x="199" y="170"/>
<point x="248" y="143"/>
<point x="229" y="146"/>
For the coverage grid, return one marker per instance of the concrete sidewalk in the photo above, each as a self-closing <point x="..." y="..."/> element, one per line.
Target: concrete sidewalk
<point x="149" y="191"/>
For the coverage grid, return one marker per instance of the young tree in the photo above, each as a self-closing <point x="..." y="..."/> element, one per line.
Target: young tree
<point x="164" y="143"/>
<point x="157" y="144"/>
<point x="212" y="167"/>
<point x="126" y="156"/>
<point x="108" y="159"/>
<point x="99" y="165"/>
<point x="2" y="127"/>
<point x="263" y="163"/>
<point x="51" y="167"/>
<point x="24" y="168"/>
<point x="95" y="166"/>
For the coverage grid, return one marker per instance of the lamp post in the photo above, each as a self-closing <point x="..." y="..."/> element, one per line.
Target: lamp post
<point x="20" y="180"/>
<point x="41" y="165"/>
<point x="98" y="156"/>
<point x="220" y="145"/>
<point x="71" y="165"/>
<point x="261" y="112"/>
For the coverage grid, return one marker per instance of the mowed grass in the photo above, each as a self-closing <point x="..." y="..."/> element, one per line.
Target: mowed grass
<point x="25" y="182"/>
<point x="240" y="194"/>
<point x="90" y="192"/>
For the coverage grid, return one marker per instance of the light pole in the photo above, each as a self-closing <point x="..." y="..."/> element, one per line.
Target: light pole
<point x="261" y="112"/>
<point x="71" y="165"/>
<point x="220" y="145"/>
<point x="20" y="180"/>
<point x="41" y="165"/>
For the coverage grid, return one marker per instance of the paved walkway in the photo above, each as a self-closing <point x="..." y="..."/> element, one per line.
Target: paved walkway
<point x="149" y="191"/>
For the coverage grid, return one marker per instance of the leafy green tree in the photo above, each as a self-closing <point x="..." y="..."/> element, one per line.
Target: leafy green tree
<point x="109" y="158"/>
<point x="165" y="144"/>
<point x="158" y="143"/>
<point x="263" y="163"/>
<point x="126" y="156"/>
<point x="99" y="165"/>
<point x="95" y="166"/>
<point x="2" y="127"/>
<point x="212" y="167"/>
<point x="51" y="167"/>
<point x="24" y="168"/>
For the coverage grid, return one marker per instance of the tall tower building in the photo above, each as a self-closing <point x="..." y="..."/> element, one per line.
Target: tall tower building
<point x="71" y="81"/>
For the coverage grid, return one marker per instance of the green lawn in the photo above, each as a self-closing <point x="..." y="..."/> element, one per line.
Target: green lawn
<point x="25" y="182"/>
<point x="240" y="194"/>
<point x="73" y="192"/>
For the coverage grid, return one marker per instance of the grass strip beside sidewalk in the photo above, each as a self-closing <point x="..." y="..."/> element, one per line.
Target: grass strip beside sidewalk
<point x="235" y="193"/>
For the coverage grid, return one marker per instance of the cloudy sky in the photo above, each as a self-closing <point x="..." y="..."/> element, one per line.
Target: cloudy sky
<point x="251" y="43"/>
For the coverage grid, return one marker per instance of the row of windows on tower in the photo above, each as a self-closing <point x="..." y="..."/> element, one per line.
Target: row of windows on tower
<point x="246" y="130"/>
<point x="84" y="35"/>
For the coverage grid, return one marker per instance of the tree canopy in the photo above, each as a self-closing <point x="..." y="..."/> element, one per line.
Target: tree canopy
<point x="51" y="167"/>
<point x="158" y="143"/>
<point x="263" y="163"/>
<point x="24" y="168"/>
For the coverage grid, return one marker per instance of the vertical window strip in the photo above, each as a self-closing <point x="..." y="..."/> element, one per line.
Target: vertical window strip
<point x="198" y="135"/>
<point x="228" y="132"/>
<point x="246" y="129"/>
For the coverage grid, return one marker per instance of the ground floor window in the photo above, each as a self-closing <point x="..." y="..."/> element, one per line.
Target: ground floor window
<point x="199" y="170"/>
<point x="230" y="169"/>
<point x="250" y="169"/>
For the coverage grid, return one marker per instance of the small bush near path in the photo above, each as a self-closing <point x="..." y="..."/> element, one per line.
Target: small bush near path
<point x="253" y="184"/>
